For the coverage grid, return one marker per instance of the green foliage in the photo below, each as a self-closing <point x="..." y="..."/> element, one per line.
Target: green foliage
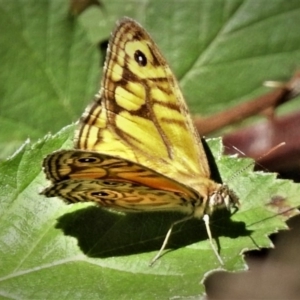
<point x="221" y="52"/>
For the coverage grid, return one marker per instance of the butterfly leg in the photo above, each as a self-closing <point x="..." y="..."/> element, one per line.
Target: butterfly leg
<point x="154" y="259"/>
<point x="206" y="222"/>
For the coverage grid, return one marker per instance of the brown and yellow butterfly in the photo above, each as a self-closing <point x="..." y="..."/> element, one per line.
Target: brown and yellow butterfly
<point x="137" y="148"/>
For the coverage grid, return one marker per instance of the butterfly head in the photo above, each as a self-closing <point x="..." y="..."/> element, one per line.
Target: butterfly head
<point x="222" y="197"/>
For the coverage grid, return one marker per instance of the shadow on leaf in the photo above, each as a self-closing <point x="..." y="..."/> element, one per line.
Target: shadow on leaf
<point x="101" y="233"/>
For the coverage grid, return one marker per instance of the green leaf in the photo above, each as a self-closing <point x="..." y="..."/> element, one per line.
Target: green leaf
<point x="48" y="70"/>
<point x="221" y="51"/>
<point x="84" y="252"/>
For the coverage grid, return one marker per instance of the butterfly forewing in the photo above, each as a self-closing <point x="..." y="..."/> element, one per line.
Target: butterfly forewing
<point x="140" y="113"/>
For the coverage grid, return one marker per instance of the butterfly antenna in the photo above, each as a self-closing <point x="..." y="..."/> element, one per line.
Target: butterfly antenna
<point x="253" y="162"/>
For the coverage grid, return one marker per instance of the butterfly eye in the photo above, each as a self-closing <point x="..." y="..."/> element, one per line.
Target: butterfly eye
<point x="140" y="58"/>
<point x="87" y="160"/>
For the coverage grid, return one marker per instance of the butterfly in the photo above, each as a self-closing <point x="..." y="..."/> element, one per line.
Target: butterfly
<point x="136" y="148"/>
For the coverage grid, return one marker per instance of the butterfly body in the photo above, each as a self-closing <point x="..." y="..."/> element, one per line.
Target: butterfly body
<point x="136" y="148"/>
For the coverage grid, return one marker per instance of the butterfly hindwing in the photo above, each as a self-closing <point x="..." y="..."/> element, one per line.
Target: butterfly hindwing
<point x="119" y="195"/>
<point x="87" y="165"/>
